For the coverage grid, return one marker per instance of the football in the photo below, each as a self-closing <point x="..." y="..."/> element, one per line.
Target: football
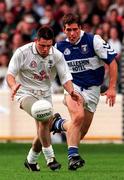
<point x="42" y="110"/>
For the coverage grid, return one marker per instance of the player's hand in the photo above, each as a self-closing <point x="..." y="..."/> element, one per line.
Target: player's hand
<point x="76" y="97"/>
<point x="110" y="96"/>
<point x="14" y="89"/>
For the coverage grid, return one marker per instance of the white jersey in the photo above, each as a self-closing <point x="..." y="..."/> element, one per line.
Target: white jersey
<point x="35" y="72"/>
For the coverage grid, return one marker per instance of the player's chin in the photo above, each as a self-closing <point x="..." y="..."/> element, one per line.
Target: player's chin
<point x="72" y="41"/>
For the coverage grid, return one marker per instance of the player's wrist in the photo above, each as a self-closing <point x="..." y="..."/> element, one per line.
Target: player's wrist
<point x="112" y="87"/>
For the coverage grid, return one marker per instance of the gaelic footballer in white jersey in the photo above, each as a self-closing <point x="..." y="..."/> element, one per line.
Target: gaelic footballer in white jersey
<point x="37" y="73"/>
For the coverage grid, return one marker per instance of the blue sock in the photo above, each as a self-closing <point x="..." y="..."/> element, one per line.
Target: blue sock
<point x="72" y="151"/>
<point x="59" y="124"/>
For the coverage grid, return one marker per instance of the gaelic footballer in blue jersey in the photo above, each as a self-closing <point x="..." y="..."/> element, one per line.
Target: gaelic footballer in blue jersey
<point x="85" y="55"/>
<point x="86" y="59"/>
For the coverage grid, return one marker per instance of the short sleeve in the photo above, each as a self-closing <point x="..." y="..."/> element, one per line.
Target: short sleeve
<point x="103" y="50"/>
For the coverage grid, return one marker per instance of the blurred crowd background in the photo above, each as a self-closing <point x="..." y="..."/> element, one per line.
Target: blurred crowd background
<point x="20" y="19"/>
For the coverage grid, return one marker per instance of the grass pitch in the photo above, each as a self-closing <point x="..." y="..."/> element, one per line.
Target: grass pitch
<point x="103" y="162"/>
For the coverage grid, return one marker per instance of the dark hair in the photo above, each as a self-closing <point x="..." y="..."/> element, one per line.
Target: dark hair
<point x="70" y="19"/>
<point x="45" y="32"/>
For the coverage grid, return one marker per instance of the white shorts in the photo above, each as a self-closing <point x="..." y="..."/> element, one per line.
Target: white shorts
<point x="91" y="96"/>
<point x="38" y="94"/>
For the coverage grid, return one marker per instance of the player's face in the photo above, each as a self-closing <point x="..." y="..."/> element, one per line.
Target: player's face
<point x="72" y="32"/>
<point x="43" y="46"/>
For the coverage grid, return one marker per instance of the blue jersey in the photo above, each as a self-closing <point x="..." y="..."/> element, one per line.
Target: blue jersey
<point x="86" y="59"/>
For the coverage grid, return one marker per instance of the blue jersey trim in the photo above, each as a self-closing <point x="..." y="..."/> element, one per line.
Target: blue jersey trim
<point x="110" y="58"/>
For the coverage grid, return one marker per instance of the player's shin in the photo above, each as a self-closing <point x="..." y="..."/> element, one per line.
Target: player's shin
<point x="50" y="158"/>
<point x="32" y="156"/>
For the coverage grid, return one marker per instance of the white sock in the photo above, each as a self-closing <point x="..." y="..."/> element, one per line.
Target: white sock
<point x="32" y="156"/>
<point x="48" y="153"/>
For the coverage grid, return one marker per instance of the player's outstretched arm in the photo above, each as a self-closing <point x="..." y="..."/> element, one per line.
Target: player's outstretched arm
<point x="111" y="92"/>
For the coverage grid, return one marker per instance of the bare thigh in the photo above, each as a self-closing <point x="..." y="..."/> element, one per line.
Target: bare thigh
<point x="27" y="103"/>
<point x="74" y="108"/>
